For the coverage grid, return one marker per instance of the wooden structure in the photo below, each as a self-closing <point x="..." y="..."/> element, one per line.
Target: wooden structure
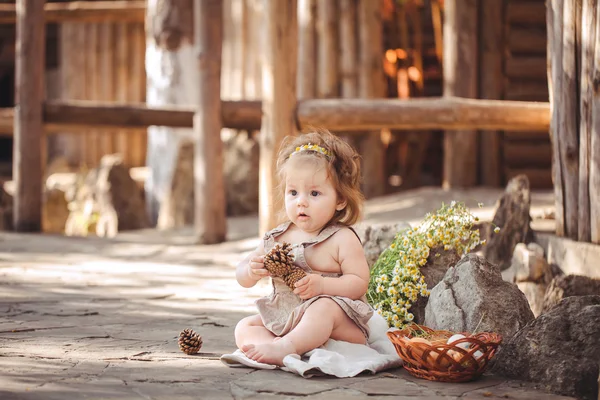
<point x="29" y="133"/>
<point x="209" y="216"/>
<point x="281" y="116"/>
<point x="574" y="74"/>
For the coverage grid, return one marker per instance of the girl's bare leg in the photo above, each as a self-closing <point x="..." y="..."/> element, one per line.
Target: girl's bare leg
<point x="324" y="319"/>
<point x="251" y="330"/>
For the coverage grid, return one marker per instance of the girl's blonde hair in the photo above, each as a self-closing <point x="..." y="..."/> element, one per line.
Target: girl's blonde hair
<point x="343" y="167"/>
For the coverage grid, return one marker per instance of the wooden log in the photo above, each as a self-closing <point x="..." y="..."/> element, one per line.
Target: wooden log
<point x="460" y="79"/>
<point x="518" y="135"/>
<point x="29" y="140"/>
<point x="371" y="86"/>
<point x="327" y="50"/>
<point x="526" y="13"/>
<point x="209" y="186"/>
<point x="79" y="116"/>
<point x="567" y="123"/>
<point x="555" y="41"/>
<point x="527" y="41"/>
<point x="526" y="67"/>
<point x="520" y="154"/>
<point x="595" y="140"/>
<point x="307" y="50"/>
<point x="279" y="100"/>
<point x="423" y="114"/>
<point x="491" y="81"/>
<point x="84" y="11"/>
<point x="348" y="49"/>
<point x="525" y="118"/>
<point x="526" y="90"/>
<point x="588" y="45"/>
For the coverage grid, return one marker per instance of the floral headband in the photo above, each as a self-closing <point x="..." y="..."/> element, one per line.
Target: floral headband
<point x="312" y="147"/>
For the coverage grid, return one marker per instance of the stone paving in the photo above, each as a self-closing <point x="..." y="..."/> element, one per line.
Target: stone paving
<point x="99" y="319"/>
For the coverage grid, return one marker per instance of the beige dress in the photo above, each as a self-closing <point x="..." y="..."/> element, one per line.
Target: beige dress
<point x="282" y="309"/>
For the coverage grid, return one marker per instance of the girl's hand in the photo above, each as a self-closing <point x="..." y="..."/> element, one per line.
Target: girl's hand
<point x="256" y="268"/>
<point x="309" y="286"/>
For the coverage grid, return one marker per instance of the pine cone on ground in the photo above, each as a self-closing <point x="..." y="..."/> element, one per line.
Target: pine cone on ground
<point x="294" y="276"/>
<point x="189" y="341"/>
<point x="278" y="261"/>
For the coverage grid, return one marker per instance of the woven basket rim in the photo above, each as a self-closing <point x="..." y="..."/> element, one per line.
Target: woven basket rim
<point x="442" y="361"/>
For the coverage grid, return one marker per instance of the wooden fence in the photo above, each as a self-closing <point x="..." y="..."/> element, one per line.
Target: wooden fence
<point x="32" y="118"/>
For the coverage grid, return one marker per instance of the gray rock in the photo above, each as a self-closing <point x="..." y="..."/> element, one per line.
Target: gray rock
<point x="377" y="238"/>
<point x="512" y="217"/>
<point x="472" y="296"/>
<point x="529" y="263"/>
<point x="531" y="272"/>
<point x="438" y="263"/>
<point x="560" y="349"/>
<point x="240" y="169"/>
<point x="534" y="292"/>
<point x="568" y="286"/>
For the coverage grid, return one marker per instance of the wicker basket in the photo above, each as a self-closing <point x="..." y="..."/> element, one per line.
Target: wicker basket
<point x="441" y="361"/>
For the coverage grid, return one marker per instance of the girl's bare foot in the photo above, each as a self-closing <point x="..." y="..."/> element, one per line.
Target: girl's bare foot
<point x="270" y="353"/>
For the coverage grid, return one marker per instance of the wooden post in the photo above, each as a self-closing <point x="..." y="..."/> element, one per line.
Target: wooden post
<point x="29" y="140"/>
<point x="554" y="53"/>
<point x="588" y="46"/>
<point x="348" y="49"/>
<point x="307" y="54"/>
<point x="567" y="122"/>
<point x="460" y="79"/>
<point x="209" y="187"/>
<point x="371" y="85"/>
<point x="491" y="83"/>
<point x="327" y="50"/>
<point x="279" y="100"/>
<point x="594" y="177"/>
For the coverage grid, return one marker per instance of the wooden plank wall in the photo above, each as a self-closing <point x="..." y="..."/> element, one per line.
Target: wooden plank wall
<point x="105" y="62"/>
<point x="525" y="80"/>
<point x="241" y="74"/>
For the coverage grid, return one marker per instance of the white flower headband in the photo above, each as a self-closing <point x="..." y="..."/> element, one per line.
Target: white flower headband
<point x="312" y="147"/>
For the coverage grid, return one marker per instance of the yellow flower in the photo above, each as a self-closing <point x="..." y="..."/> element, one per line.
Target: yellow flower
<point x="497" y="229"/>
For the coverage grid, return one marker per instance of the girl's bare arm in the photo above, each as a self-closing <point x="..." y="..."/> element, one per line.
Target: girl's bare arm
<point x="251" y="269"/>
<point x="354" y="281"/>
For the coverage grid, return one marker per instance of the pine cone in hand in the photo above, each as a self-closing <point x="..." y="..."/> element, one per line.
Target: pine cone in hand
<point x="294" y="276"/>
<point x="279" y="261"/>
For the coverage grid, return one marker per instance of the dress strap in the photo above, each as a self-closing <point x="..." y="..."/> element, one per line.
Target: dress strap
<point x="323" y="235"/>
<point x="269" y="237"/>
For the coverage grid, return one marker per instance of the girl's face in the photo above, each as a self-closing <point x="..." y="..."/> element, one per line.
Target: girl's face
<point x="310" y="198"/>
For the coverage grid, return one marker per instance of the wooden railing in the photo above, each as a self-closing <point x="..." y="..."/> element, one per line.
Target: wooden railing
<point x="275" y="116"/>
<point x="348" y="115"/>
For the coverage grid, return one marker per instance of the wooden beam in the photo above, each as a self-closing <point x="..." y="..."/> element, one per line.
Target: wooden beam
<point x="526" y="67"/>
<point x="587" y="47"/>
<point x="352" y="115"/>
<point x="460" y="79"/>
<point x="210" y="222"/>
<point x="80" y="116"/>
<point x="423" y="114"/>
<point x="279" y="100"/>
<point x="554" y="54"/>
<point x="307" y="49"/>
<point x="526" y="13"/>
<point x="594" y="161"/>
<point x="29" y="141"/>
<point x="371" y="85"/>
<point x="84" y="11"/>
<point x="491" y="80"/>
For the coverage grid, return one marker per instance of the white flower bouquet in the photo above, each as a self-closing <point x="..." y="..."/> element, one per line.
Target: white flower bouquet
<point x="396" y="280"/>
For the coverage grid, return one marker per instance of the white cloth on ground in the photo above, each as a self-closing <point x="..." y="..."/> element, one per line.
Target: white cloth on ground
<point x="336" y="358"/>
